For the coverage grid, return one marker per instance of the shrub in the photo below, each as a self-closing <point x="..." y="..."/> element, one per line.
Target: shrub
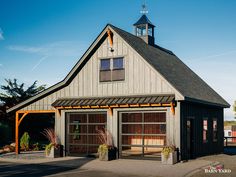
<point x="35" y="147"/>
<point x="24" y="141"/>
<point x="48" y="148"/>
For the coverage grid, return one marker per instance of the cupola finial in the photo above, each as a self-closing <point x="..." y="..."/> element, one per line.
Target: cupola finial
<point x="144" y="8"/>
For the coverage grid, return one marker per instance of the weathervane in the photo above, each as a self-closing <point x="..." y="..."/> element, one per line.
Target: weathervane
<point x="144" y="8"/>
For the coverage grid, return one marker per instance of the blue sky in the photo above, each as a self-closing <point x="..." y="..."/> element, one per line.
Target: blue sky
<point x="42" y="40"/>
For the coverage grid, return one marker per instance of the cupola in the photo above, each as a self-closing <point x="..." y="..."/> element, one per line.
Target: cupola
<point x="144" y="28"/>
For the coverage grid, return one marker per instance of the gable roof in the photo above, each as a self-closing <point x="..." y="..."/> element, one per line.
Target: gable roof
<point x="182" y="78"/>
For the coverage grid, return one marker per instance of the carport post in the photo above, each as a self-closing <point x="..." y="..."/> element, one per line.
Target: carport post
<point x="17" y="149"/>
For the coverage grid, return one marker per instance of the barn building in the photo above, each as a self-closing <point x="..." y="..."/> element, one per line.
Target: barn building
<point x="142" y="93"/>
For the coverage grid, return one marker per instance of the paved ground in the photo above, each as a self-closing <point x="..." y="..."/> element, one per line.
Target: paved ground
<point x="84" y="167"/>
<point x="229" y="162"/>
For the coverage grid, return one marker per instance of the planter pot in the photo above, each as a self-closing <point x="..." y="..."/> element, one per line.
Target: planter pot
<point x="172" y="159"/>
<point x="56" y="152"/>
<point x="107" y="156"/>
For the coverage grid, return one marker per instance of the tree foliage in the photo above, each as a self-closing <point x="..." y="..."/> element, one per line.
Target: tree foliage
<point x="16" y="93"/>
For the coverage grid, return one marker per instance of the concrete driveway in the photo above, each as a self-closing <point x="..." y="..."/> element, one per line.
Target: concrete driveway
<point x="84" y="167"/>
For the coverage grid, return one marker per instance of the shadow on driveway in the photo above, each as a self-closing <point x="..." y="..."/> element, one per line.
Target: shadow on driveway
<point x="34" y="170"/>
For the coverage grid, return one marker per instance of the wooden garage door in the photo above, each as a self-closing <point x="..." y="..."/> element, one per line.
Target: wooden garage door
<point x="142" y="134"/>
<point x="82" y="137"/>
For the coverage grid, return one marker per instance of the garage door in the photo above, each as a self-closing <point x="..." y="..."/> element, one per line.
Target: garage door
<point x="82" y="137"/>
<point x="142" y="134"/>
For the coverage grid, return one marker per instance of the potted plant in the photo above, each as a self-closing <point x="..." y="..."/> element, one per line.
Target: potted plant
<point x="54" y="149"/>
<point x="106" y="151"/>
<point x="169" y="155"/>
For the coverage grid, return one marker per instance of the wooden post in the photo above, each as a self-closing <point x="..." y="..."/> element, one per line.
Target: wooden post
<point x="110" y="111"/>
<point x="17" y="134"/>
<point x="172" y="107"/>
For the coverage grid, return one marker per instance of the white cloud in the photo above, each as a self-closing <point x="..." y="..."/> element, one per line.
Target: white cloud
<point x="53" y="50"/>
<point x="1" y="35"/>
<point x="1" y="65"/>
<point x="60" y="48"/>
<point x="24" y="49"/>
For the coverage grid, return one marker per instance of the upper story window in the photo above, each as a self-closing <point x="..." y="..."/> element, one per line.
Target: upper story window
<point x="205" y="130"/>
<point x="215" y="130"/>
<point x="112" y="69"/>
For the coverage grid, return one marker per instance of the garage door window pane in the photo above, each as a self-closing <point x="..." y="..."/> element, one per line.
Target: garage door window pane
<point x="131" y="117"/>
<point x="155" y="117"/>
<point x="132" y="128"/>
<point x="155" y="129"/>
<point x="132" y="139"/>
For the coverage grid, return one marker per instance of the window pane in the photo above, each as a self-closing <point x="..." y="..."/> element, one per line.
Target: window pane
<point x="118" y="75"/>
<point x="155" y="117"/>
<point x="215" y="130"/>
<point x="205" y="132"/>
<point x="105" y="76"/>
<point x="132" y="128"/>
<point x="118" y="63"/>
<point x="214" y="124"/>
<point x="155" y="129"/>
<point x="131" y="117"/>
<point x="105" y="64"/>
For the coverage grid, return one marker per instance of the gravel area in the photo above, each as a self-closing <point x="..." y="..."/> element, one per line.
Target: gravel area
<point x="24" y="155"/>
<point x="228" y="162"/>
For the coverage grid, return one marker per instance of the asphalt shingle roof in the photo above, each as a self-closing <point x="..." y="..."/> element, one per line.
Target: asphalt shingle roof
<point x="180" y="76"/>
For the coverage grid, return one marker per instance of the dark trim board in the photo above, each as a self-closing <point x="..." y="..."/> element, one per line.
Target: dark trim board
<point x="198" y="112"/>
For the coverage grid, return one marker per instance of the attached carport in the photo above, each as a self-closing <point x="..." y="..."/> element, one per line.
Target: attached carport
<point x="20" y="115"/>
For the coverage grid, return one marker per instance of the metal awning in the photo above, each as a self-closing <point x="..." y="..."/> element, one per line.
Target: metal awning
<point x="114" y="101"/>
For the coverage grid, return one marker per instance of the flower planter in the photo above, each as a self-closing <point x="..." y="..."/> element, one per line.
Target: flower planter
<point x="109" y="155"/>
<point x="55" y="152"/>
<point x="172" y="158"/>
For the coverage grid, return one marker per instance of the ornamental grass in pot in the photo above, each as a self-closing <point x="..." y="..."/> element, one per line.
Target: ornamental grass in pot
<point x="54" y="149"/>
<point x="106" y="151"/>
<point x="169" y="155"/>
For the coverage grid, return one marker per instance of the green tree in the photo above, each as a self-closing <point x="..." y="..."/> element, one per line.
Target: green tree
<point x="16" y="93"/>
